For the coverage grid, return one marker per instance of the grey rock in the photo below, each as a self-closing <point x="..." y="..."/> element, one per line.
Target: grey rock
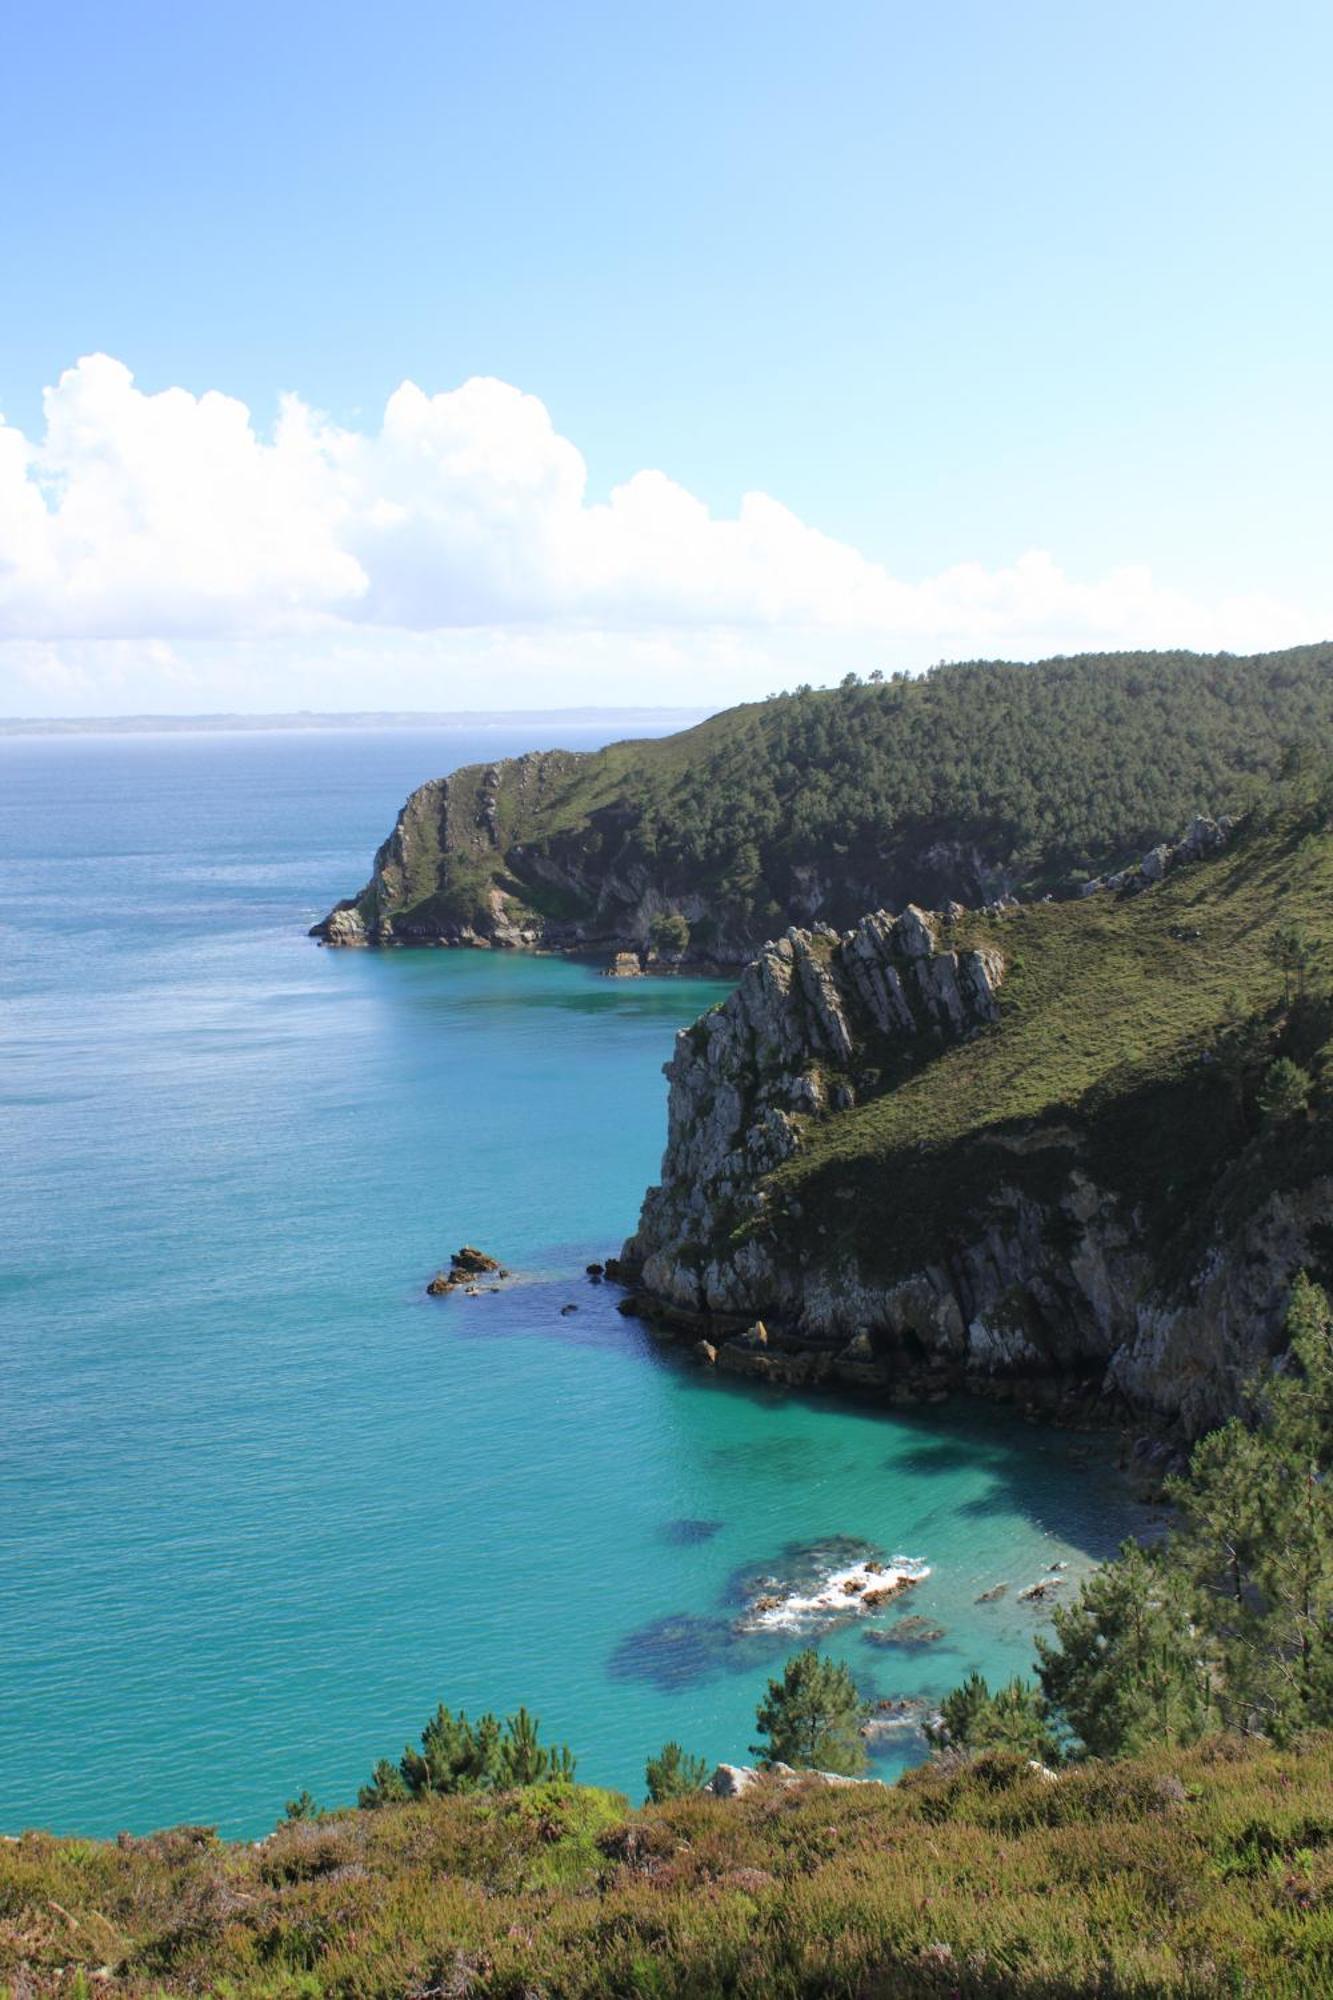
<point x="733" y="1781"/>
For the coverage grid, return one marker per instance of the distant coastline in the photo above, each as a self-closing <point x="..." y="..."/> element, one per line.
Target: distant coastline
<point x="497" y="718"/>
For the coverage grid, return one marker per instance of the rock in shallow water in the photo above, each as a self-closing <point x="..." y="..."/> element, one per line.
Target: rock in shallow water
<point x="465" y="1267"/>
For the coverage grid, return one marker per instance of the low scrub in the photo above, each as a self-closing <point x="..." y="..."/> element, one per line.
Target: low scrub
<point x="1197" y="1871"/>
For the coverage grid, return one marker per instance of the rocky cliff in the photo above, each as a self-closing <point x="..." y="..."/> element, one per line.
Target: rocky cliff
<point x="495" y="856"/>
<point x="1018" y="1153"/>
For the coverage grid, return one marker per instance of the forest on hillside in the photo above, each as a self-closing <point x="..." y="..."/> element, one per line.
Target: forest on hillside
<point x="1049" y="769"/>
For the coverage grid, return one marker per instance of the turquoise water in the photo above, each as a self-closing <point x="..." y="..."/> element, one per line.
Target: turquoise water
<point x="263" y="1503"/>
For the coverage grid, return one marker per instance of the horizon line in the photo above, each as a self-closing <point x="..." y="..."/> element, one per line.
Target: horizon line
<point x="250" y="720"/>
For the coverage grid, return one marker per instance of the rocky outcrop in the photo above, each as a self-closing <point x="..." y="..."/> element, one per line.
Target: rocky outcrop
<point x="1049" y="1284"/>
<point x="471" y="861"/>
<point x="439" y="877"/>
<point x="1203" y="837"/>
<point x="568" y="851"/>
<point x="733" y="1781"/>
<point x="813" y="1020"/>
<point x="466" y="1266"/>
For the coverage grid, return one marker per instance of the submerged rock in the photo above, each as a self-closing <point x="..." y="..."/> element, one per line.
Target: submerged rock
<point x="689" y="1529"/>
<point x="894" y="1716"/>
<point x="909" y="1634"/>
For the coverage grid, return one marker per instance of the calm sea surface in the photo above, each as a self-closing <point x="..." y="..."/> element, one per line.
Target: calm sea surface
<point x="263" y="1503"/>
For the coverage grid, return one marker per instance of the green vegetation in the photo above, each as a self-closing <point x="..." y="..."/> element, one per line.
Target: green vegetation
<point x="1229" y="1621"/>
<point x="1285" y="1090"/>
<point x="461" y="1756"/>
<point x="811" y="1718"/>
<point x="1014" y="1717"/>
<point x="670" y="934"/>
<point x="927" y="788"/>
<point x="1165" y="1043"/>
<point x="1188" y="1872"/>
<point x="673" y="1774"/>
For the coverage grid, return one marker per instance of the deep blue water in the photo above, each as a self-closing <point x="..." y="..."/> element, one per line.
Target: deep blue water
<point x="263" y="1503"/>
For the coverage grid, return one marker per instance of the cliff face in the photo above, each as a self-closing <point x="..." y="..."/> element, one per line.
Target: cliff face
<point x="438" y="877"/>
<point x="1135" y="1247"/>
<point x="492" y="856"/>
<point x="812" y="1017"/>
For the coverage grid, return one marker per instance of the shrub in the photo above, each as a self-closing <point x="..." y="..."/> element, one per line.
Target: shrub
<point x="1285" y="1090"/>
<point x="670" y="934"/>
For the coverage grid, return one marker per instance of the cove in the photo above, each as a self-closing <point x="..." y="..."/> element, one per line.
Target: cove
<point x="263" y="1503"/>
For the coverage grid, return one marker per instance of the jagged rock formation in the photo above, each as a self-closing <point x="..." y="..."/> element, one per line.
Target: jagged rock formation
<point x="1204" y="836"/>
<point x="1024" y="1258"/>
<point x="807" y="1020"/>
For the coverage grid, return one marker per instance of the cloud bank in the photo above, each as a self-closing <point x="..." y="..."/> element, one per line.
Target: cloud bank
<point x="157" y="550"/>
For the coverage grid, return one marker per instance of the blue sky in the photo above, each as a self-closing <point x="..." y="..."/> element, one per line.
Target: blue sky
<point x="958" y="287"/>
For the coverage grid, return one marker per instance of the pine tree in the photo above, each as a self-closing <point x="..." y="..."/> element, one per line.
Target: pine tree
<point x="524" y="1759"/>
<point x="1124" y="1669"/>
<point x="1294" y="1576"/>
<point x="812" y="1718"/>
<point x="673" y="1773"/>
<point x="1297" y="957"/>
<point x="1285" y="1091"/>
<point x="386" y="1787"/>
<point x="1013" y="1718"/>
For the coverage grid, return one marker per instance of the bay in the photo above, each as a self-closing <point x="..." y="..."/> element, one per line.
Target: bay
<point x="262" y="1502"/>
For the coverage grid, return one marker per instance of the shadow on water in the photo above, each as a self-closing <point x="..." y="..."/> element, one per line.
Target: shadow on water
<point x="1017" y="1467"/>
<point x="1026" y="1465"/>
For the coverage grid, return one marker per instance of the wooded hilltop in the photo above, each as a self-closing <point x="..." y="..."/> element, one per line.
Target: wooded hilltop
<point x="968" y="783"/>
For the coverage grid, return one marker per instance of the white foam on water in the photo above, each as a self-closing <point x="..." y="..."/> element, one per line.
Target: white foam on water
<point x="842" y="1593"/>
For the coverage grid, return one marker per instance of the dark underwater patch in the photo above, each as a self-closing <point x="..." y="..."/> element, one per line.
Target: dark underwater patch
<point x="686" y="1531"/>
<point x="684" y="1649"/>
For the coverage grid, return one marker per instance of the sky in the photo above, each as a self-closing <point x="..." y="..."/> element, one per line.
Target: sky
<point x="514" y="355"/>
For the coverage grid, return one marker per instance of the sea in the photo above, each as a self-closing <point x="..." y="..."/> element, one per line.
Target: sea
<point x="263" y="1502"/>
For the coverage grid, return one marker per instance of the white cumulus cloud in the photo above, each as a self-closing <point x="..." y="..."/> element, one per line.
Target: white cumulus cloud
<point x="138" y="518"/>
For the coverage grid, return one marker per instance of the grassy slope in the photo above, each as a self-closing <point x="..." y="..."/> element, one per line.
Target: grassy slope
<point x="1202" y="1872"/>
<point x="1117" y="1024"/>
